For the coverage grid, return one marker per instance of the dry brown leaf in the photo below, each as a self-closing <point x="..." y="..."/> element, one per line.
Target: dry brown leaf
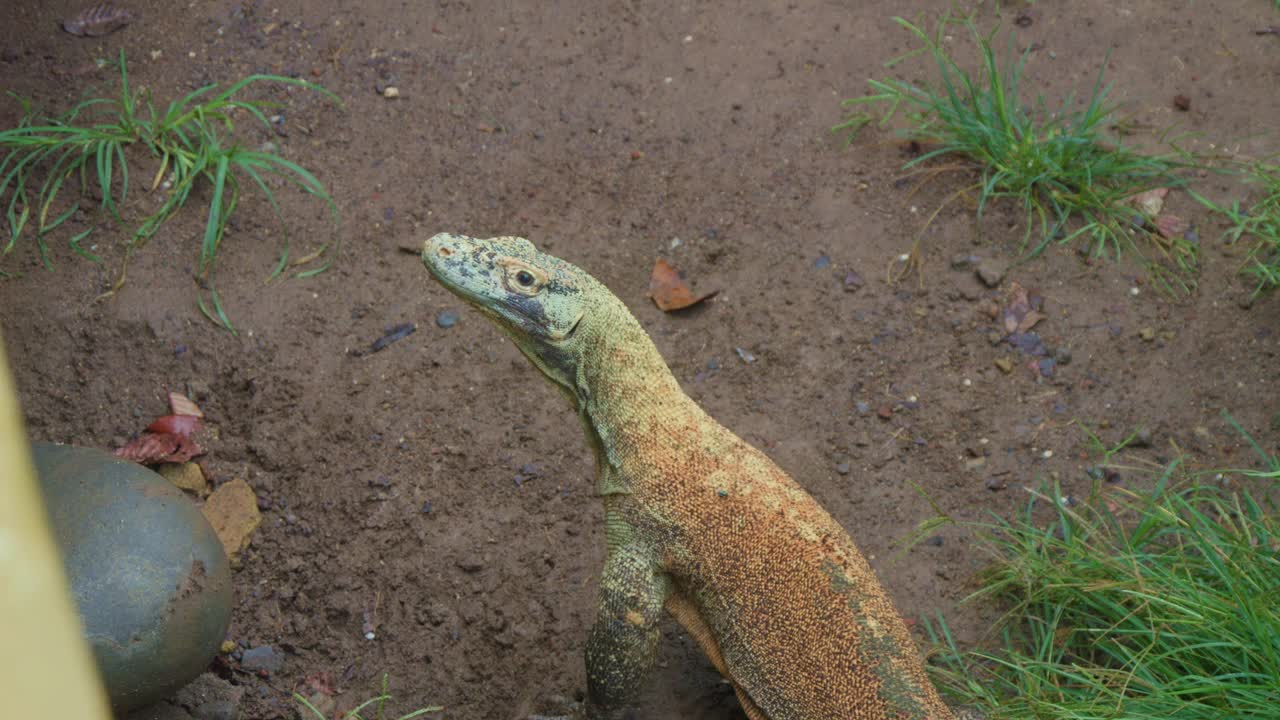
<point x="232" y="510"/>
<point x="99" y="20"/>
<point x="184" y="476"/>
<point x="1170" y="226"/>
<point x="669" y="291"/>
<point x="183" y="425"/>
<point x="181" y="405"/>
<point x="152" y="448"/>
<point x="1023" y="310"/>
<point x="1151" y="201"/>
<point x="1029" y="321"/>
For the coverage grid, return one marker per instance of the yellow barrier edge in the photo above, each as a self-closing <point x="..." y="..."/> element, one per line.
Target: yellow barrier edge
<point x="46" y="669"/>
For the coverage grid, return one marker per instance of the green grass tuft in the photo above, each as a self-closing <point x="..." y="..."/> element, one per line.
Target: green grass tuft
<point x="1134" y="604"/>
<point x="1260" y="222"/>
<point x="1070" y="180"/>
<point x="192" y="139"/>
<point x="378" y="703"/>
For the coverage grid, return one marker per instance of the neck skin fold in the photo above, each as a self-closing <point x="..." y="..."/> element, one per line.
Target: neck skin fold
<point x="625" y="393"/>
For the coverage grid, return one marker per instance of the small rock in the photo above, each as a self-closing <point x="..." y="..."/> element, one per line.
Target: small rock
<point x="964" y="261"/>
<point x="823" y="262"/>
<point x="853" y="281"/>
<point x="994" y="483"/>
<point x="185" y="476"/>
<point x="935" y="541"/>
<point x="713" y="364"/>
<point x="1147" y="334"/>
<point x="263" y="657"/>
<point x="1062" y="355"/>
<point x="216" y="710"/>
<point x="446" y="318"/>
<point x="862" y="407"/>
<point x="470" y="564"/>
<point x="991" y="272"/>
<point x="199" y="390"/>
<point x="745" y="356"/>
<point x="391" y="92"/>
<point x="974" y="464"/>
<point x="884" y="412"/>
<point x="843" y="468"/>
<point x="1141" y="438"/>
<point x="1181" y="102"/>
<point x="1046" y="366"/>
<point x="1005" y="365"/>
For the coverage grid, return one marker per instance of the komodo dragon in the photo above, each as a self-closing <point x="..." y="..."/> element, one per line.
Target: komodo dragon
<point x="697" y="521"/>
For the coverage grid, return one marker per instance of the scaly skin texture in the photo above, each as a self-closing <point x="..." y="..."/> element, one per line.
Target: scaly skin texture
<point x="697" y="521"/>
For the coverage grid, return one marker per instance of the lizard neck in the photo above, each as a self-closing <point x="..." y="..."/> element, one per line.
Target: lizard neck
<point x="626" y="394"/>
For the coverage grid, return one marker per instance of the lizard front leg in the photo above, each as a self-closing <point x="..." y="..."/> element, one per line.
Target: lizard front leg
<point x="623" y="643"/>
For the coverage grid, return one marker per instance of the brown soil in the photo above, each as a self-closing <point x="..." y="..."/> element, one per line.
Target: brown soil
<point x="437" y="491"/>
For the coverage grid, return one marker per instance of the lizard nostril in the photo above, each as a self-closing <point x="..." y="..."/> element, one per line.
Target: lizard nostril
<point x="444" y="251"/>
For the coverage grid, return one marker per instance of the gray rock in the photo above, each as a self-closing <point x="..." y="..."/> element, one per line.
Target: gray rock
<point x="843" y="468"/>
<point x="1142" y="438"/>
<point x="163" y="710"/>
<point x="991" y="272"/>
<point x="264" y="657"/>
<point x="216" y="710"/>
<point x="447" y="318"/>
<point x="964" y="261"/>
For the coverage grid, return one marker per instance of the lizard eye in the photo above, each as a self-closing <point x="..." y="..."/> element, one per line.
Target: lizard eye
<point x="525" y="279"/>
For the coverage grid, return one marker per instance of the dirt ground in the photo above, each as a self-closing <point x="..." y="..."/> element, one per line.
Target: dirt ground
<point x="438" y="492"/>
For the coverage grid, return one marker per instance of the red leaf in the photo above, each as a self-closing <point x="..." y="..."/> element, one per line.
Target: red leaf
<point x="154" y="448"/>
<point x="181" y="405"/>
<point x="182" y="425"/>
<point x="669" y="291"/>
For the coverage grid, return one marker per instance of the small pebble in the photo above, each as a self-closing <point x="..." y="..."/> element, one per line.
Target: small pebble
<point x="864" y="408"/>
<point x="823" y="262"/>
<point x="1005" y="365"/>
<point x="264" y="657"/>
<point x="390" y="92"/>
<point x="843" y="468"/>
<point x="1142" y="438"/>
<point x="991" y="272"/>
<point x="852" y="281"/>
<point x="447" y="318"/>
<point x="746" y="357"/>
<point x="994" y="483"/>
<point x="1047" y="366"/>
<point x="964" y="261"/>
<point x="935" y="541"/>
<point x="1147" y="334"/>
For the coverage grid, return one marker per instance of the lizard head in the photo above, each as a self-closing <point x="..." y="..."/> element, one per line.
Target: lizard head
<point x="536" y="299"/>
